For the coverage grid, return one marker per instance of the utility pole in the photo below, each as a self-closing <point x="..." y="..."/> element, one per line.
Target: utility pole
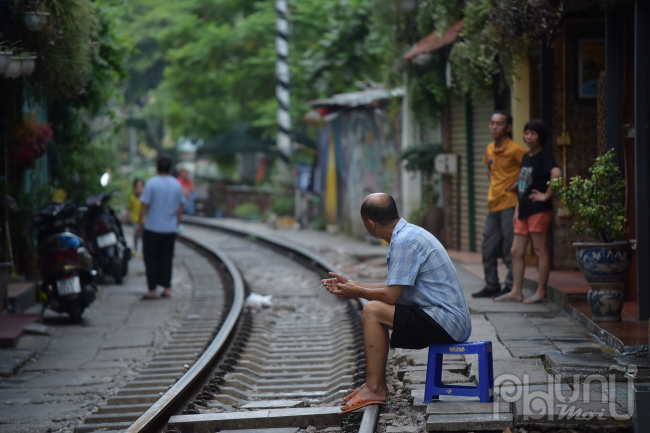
<point x="282" y="76"/>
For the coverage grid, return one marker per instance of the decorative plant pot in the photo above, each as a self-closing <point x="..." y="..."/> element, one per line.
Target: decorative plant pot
<point x="285" y="222"/>
<point x="5" y="59"/>
<point x="15" y="67"/>
<point x="35" y="21"/>
<point x="28" y="66"/>
<point x="605" y="266"/>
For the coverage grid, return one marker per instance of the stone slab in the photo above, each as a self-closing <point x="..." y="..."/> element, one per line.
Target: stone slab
<point x="37" y="329"/>
<point x="546" y="413"/>
<point x="12" y="359"/>
<point x="529" y="352"/>
<point x="261" y="419"/>
<point x="89" y="428"/>
<point x="402" y="429"/>
<point x="469" y="422"/>
<point x="465" y="407"/>
<point x="533" y="368"/>
<point x="419" y="405"/>
<point x="563" y="360"/>
<point x="265" y="430"/>
<point x="529" y="344"/>
<point x="273" y="404"/>
<point x="420" y="376"/>
<point x="509" y="392"/>
<point x="455" y="367"/>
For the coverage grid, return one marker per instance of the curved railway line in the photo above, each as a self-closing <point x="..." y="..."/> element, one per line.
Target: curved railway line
<point x="229" y="368"/>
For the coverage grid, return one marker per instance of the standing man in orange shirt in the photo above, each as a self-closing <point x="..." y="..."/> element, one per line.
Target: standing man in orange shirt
<point x="503" y="159"/>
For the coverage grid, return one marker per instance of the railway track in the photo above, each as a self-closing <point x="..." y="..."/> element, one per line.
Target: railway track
<point x="228" y="368"/>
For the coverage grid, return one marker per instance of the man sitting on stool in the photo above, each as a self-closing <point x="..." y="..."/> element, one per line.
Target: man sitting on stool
<point x="422" y="301"/>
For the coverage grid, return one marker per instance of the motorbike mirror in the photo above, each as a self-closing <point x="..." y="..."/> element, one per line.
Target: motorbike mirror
<point x="105" y="179"/>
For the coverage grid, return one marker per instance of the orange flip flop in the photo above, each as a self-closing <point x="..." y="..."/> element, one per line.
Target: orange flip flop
<point x="357" y="403"/>
<point x="351" y="395"/>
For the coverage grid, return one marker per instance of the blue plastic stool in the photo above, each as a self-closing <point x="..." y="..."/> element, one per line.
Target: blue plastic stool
<point x="434" y="386"/>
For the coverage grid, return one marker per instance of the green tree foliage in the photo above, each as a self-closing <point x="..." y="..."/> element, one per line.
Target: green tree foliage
<point x="220" y="58"/>
<point x="497" y="35"/>
<point x="404" y="24"/>
<point x="597" y="200"/>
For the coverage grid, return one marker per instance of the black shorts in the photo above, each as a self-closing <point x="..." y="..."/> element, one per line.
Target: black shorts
<point x="415" y="329"/>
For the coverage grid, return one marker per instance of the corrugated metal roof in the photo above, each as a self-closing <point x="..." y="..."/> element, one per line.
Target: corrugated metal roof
<point x="433" y="42"/>
<point x="356" y="99"/>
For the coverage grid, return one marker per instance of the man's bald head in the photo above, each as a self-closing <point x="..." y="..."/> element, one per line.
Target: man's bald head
<point x="380" y="208"/>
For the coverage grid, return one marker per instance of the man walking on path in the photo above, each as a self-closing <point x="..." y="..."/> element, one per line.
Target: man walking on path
<point x="162" y="204"/>
<point x="503" y="159"/>
<point x="422" y="300"/>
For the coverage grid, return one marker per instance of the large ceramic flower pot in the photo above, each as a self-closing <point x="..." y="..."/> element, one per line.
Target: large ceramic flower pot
<point x="5" y="58"/>
<point x="605" y="266"/>
<point x="28" y="66"/>
<point x="15" y="67"/>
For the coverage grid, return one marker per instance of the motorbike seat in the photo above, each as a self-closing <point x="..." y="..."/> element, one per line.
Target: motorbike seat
<point x="52" y="212"/>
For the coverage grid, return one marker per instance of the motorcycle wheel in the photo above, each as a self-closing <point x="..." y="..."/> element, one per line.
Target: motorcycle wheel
<point x="125" y="267"/>
<point x="75" y="312"/>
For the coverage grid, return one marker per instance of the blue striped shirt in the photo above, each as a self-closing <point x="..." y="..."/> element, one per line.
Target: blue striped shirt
<point x="419" y="262"/>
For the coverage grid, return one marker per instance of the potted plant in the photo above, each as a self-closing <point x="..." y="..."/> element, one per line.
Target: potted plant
<point x="605" y="263"/>
<point x="28" y="63"/>
<point x="248" y="211"/>
<point x="14" y="68"/>
<point x="283" y="206"/>
<point x="35" y="21"/>
<point x="5" y="56"/>
<point x="30" y="142"/>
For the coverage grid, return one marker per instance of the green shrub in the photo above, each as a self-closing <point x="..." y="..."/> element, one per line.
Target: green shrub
<point x="597" y="200"/>
<point x="283" y="206"/>
<point x="247" y="211"/>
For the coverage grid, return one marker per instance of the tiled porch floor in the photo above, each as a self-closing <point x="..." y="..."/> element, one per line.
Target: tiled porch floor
<point x="630" y="331"/>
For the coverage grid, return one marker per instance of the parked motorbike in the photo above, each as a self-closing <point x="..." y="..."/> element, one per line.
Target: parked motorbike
<point x="110" y="250"/>
<point x="65" y="264"/>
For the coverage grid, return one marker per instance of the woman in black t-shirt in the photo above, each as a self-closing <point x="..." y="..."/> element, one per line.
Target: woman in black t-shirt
<point x="534" y="213"/>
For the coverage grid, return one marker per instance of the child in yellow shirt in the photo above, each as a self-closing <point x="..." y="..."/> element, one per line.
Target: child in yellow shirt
<point x="133" y="210"/>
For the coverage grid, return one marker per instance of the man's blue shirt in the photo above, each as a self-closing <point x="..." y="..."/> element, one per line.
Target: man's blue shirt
<point x="419" y="262"/>
<point x="164" y="195"/>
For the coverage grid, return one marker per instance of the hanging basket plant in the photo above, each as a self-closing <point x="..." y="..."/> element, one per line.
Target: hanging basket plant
<point x="497" y="35"/>
<point x="35" y="21"/>
<point x="67" y="43"/>
<point x="30" y="142"/>
<point x="5" y="59"/>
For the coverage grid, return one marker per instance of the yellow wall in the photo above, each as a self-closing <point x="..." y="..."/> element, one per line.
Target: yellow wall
<point x="331" y="197"/>
<point x="520" y="101"/>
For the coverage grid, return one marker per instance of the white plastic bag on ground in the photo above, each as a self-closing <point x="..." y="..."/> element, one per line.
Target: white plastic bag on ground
<point x="259" y="301"/>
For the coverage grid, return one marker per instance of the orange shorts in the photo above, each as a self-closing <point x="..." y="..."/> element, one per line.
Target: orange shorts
<point x="536" y="223"/>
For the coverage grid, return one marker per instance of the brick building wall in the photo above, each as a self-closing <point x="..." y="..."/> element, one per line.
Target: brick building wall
<point x="581" y="125"/>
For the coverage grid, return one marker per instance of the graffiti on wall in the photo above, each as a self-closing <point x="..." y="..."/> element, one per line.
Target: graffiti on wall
<point x="366" y="156"/>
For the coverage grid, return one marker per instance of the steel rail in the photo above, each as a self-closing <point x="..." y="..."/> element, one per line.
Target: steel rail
<point x="149" y="421"/>
<point x="304" y="252"/>
<point x="371" y="413"/>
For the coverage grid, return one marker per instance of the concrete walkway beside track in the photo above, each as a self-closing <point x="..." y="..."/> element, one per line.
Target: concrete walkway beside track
<point x="74" y="369"/>
<point x="550" y="372"/>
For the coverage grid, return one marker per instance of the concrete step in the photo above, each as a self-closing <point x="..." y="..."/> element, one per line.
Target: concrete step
<point x="89" y="428"/>
<point x="21" y="296"/>
<point x="470" y="422"/>
<point x="153" y="382"/>
<point x="109" y="418"/>
<point x="141" y="391"/>
<point x="260" y="419"/>
<point x="126" y="408"/>
<point x="133" y="399"/>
